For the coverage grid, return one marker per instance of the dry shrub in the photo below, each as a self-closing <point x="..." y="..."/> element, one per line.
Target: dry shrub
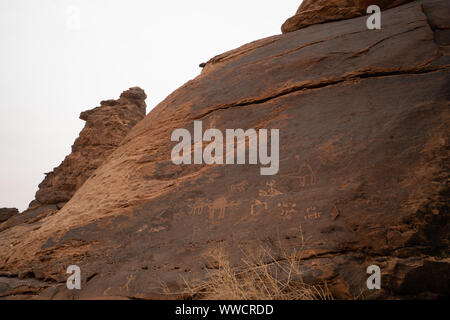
<point x="261" y="276"/>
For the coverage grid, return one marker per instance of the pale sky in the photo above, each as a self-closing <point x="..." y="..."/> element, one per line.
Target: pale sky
<point x="61" y="57"/>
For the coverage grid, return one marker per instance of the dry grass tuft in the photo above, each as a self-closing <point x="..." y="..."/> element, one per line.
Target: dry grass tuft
<point x="261" y="276"/>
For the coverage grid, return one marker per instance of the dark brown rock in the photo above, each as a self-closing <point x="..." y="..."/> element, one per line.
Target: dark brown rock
<point x="6" y="213"/>
<point x="319" y="11"/>
<point x="29" y="216"/>
<point x="364" y="171"/>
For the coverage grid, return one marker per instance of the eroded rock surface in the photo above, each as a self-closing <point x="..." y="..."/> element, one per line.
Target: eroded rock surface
<point x="105" y="128"/>
<point x="363" y="118"/>
<point x="319" y="11"/>
<point x="6" y="213"/>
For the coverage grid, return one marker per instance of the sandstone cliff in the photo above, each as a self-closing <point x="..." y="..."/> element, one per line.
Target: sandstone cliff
<point x="363" y="118"/>
<point x="105" y="128"/>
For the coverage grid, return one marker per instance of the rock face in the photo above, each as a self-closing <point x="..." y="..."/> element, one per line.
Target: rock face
<point x="364" y="172"/>
<point x="319" y="11"/>
<point x="6" y="213"/>
<point x="105" y="128"/>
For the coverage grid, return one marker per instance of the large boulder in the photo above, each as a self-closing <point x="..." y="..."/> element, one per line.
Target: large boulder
<point x="364" y="172"/>
<point x="319" y="11"/>
<point x="6" y="213"/>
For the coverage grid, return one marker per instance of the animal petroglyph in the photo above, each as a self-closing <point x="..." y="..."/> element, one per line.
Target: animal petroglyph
<point x="217" y="208"/>
<point x="197" y="208"/>
<point x="271" y="191"/>
<point x="239" y="187"/>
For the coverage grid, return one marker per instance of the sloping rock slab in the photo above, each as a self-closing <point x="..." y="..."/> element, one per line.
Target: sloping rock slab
<point x="363" y="118"/>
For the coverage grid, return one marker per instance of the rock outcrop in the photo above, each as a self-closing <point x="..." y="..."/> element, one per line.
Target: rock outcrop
<point x="364" y="172"/>
<point x="105" y="128"/>
<point x="319" y="11"/>
<point x="6" y="213"/>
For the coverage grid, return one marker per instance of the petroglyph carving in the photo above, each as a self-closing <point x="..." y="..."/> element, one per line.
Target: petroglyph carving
<point x="312" y="213"/>
<point x="271" y="191"/>
<point x="258" y="207"/>
<point x="304" y="174"/>
<point x="126" y="287"/>
<point x="287" y="208"/>
<point x="197" y="208"/>
<point x="239" y="187"/>
<point x="218" y="206"/>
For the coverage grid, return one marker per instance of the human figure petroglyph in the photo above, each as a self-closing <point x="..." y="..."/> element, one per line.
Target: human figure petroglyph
<point x="126" y="286"/>
<point x="271" y="191"/>
<point x="197" y="208"/>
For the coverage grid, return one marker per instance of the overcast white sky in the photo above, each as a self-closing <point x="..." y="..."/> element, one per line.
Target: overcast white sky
<point x="51" y="70"/>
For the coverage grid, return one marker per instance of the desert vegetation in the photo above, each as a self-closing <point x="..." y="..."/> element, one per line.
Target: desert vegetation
<point x="262" y="274"/>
